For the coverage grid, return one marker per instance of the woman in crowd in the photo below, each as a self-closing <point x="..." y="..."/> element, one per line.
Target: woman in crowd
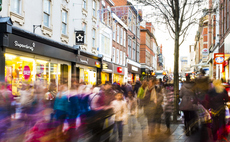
<point x="216" y="99"/>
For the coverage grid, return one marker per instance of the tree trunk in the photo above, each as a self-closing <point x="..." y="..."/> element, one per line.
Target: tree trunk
<point x="176" y="76"/>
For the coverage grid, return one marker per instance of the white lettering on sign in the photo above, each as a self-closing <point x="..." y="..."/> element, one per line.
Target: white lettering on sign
<point x="26" y="72"/>
<point x="84" y="61"/>
<point x="26" y="46"/>
<point x="134" y="68"/>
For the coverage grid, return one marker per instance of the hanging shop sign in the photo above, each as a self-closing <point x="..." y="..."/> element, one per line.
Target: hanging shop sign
<point x="134" y="68"/>
<point x="205" y="52"/>
<point x="218" y="58"/>
<point x="80" y="40"/>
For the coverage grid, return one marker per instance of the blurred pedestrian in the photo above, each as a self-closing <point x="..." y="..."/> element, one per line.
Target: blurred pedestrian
<point x="136" y="87"/>
<point x="141" y="91"/>
<point x="188" y="104"/>
<point x="120" y="110"/>
<point x="169" y="106"/>
<point x="216" y="98"/>
<point x="132" y="111"/>
<point x="149" y="102"/>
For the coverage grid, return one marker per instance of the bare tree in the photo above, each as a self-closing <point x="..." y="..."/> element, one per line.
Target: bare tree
<point x="178" y="16"/>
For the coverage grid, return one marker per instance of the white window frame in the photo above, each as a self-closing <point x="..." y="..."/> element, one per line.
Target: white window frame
<point x="117" y="56"/>
<point x="94" y="38"/>
<point x="120" y="57"/>
<point x="94" y="9"/>
<point x="130" y="19"/>
<point x="124" y="43"/>
<point x="121" y="37"/>
<point x="114" y="51"/>
<point x="16" y="7"/>
<point x="118" y="33"/>
<point x="65" y="22"/>
<point x="84" y="4"/>
<point x="124" y="60"/>
<point x="46" y="12"/>
<point x="134" y="25"/>
<point x="130" y="47"/>
<point x="102" y="13"/>
<point x="134" y="50"/>
<point x="84" y="28"/>
<point x="138" y="52"/>
<point x="108" y="16"/>
<point x="114" y="30"/>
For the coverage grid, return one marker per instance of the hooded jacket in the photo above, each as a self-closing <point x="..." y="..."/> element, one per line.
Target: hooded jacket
<point x="188" y="96"/>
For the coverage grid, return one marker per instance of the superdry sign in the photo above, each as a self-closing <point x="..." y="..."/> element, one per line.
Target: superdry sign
<point x="218" y="58"/>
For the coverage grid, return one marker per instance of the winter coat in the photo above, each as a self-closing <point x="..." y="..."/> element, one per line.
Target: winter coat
<point x="216" y="101"/>
<point x="149" y="102"/>
<point x="61" y="102"/>
<point x="159" y="99"/>
<point x="120" y="110"/>
<point x="131" y="105"/>
<point x="188" y="96"/>
<point x="169" y="100"/>
<point x="201" y="88"/>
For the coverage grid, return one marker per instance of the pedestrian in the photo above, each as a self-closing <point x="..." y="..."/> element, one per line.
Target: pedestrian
<point x="120" y="110"/>
<point x="216" y="98"/>
<point x="61" y="110"/>
<point x="169" y="106"/>
<point x="132" y="111"/>
<point x="141" y="91"/>
<point x="158" y="102"/>
<point x="136" y="87"/>
<point x="149" y="104"/>
<point x="188" y="104"/>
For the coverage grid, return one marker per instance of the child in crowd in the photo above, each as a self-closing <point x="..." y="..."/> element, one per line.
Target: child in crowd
<point x="132" y="111"/>
<point x="120" y="109"/>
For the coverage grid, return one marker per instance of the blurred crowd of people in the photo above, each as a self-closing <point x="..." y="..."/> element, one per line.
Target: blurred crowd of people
<point x="44" y="110"/>
<point x="204" y="101"/>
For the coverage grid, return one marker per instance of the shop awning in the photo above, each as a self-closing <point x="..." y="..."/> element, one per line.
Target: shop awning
<point x="200" y="64"/>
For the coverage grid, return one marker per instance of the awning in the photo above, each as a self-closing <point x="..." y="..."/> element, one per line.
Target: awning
<point x="200" y="64"/>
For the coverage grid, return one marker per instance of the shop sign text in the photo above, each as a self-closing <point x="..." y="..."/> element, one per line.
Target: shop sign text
<point x="134" y="68"/>
<point x="26" y="72"/>
<point x="26" y="46"/>
<point x="84" y="61"/>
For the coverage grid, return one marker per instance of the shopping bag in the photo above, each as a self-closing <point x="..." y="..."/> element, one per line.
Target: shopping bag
<point x="203" y="114"/>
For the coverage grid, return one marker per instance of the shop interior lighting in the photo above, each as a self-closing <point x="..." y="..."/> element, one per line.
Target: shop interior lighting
<point x="10" y="56"/>
<point x="41" y="61"/>
<point x="26" y="59"/>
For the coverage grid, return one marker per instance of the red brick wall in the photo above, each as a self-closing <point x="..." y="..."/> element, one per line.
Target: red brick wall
<point x="120" y="2"/>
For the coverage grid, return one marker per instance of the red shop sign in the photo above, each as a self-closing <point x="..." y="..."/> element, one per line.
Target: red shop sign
<point x="218" y="58"/>
<point x="119" y="69"/>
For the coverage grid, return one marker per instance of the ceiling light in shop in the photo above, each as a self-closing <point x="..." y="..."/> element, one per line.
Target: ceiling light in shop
<point x="26" y="59"/>
<point x="41" y="61"/>
<point x="10" y="56"/>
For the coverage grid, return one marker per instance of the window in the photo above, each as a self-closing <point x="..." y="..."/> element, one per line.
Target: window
<point x="124" y="59"/>
<point x="103" y="14"/>
<point x="134" y="25"/>
<point x="121" y="57"/>
<point x="84" y="28"/>
<point x="124" y="43"/>
<point x="108" y="17"/>
<point x="114" y="51"/>
<point x="117" y="56"/>
<point x="94" y="8"/>
<point x="130" y="19"/>
<point x="121" y="37"/>
<point x="105" y="47"/>
<point x="93" y="37"/>
<point x="64" y="22"/>
<point x="16" y="6"/>
<point x="129" y="47"/>
<point x="134" y="48"/>
<point x="138" y="28"/>
<point x="46" y="20"/>
<point x="118" y="30"/>
<point x="84" y="4"/>
<point x="138" y="53"/>
<point x="114" y="30"/>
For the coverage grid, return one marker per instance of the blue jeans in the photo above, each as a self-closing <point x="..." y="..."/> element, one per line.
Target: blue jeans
<point x="119" y="127"/>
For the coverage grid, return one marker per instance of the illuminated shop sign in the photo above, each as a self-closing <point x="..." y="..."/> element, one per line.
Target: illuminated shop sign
<point x="119" y="69"/>
<point x="218" y="58"/>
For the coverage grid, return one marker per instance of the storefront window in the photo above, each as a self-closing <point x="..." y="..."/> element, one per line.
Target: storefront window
<point x="118" y="78"/>
<point x="23" y="70"/>
<point x="88" y="76"/>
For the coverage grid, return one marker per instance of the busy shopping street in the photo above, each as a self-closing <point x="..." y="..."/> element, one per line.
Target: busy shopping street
<point x="114" y="71"/>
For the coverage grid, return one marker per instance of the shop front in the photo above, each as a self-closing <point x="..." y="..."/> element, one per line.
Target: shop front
<point x="145" y="73"/>
<point x="107" y="70"/>
<point x="87" y="69"/>
<point x="27" y="58"/>
<point x="133" y="73"/>
<point x="118" y="74"/>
